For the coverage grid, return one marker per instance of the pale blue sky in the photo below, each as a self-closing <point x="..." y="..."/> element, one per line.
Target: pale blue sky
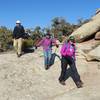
<point x="41" y="12"/>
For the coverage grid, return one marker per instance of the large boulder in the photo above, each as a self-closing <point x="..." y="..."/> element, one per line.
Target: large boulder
<point x="94" y="54"/>
<point x="98" y="10"/>
<point x="87" y="46"/>
<point x="88" y="29"/>
<point x="97" y="36"/>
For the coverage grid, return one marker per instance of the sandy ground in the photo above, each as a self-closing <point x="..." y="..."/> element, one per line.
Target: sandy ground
<point x="26" y="79"/>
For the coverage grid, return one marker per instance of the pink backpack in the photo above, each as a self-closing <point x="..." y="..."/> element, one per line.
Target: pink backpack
<point x="67" y="50"/>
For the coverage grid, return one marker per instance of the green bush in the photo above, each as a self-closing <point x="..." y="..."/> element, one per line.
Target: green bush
<point x="5" y="38"/>
<point x="28" y="43"/>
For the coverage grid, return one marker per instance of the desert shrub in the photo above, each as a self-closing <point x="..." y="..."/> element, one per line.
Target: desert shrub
<point x="5" y="38"/>
<point x="28" y="43"/>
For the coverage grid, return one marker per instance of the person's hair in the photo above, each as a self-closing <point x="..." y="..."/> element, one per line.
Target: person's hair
<point x="48" y="34"/>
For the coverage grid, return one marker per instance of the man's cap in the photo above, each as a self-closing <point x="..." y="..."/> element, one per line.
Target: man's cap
<point x="18" y="22"/>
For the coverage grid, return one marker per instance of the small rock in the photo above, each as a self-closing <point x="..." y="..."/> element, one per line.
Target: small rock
<point x="99" y="66"/>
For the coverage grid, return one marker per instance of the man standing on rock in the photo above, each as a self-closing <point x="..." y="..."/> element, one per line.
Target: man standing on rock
<point x="18" y="34"/>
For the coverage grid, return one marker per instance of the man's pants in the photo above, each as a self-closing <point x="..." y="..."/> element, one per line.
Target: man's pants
<point x="47" y="57"/>
<point x="18" y="45"/>
<point x="65" y="61"/>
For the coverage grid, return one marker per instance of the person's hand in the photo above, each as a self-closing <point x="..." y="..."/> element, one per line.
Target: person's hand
<point x="36" y="46"/>
<point x="57" y="45"/>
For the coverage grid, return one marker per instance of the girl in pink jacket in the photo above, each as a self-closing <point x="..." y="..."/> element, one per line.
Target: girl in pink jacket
<point x="47" y="42"/>
<point x="68" y="58"/>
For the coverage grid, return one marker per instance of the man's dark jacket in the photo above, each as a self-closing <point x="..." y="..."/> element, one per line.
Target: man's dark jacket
<point x="18" y="32"/>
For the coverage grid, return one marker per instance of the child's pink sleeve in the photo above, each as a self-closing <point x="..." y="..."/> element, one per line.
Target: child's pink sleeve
<point x="40" y="43"/>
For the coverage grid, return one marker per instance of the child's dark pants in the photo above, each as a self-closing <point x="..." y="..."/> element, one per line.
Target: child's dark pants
<point x="65" y="61"/>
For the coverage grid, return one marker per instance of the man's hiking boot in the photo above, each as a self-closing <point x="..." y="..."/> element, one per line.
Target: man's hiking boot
<point x="79" y="84"/>
<point x="19" y="55"/>
<point x="62" y="82"/>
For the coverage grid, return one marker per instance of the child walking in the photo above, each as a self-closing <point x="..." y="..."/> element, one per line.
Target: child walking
<point x="47" y="42"/>
<point x="68" y="58"/>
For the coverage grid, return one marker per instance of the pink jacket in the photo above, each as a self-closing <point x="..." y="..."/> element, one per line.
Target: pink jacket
<point x="65" y="50"/>
<point x="47" y="43"/>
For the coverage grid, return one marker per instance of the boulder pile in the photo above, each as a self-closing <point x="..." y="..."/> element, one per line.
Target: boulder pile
<point x="89" y="36"/>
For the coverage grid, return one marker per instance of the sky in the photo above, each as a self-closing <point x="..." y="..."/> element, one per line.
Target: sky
<point x="34" y="13"/>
